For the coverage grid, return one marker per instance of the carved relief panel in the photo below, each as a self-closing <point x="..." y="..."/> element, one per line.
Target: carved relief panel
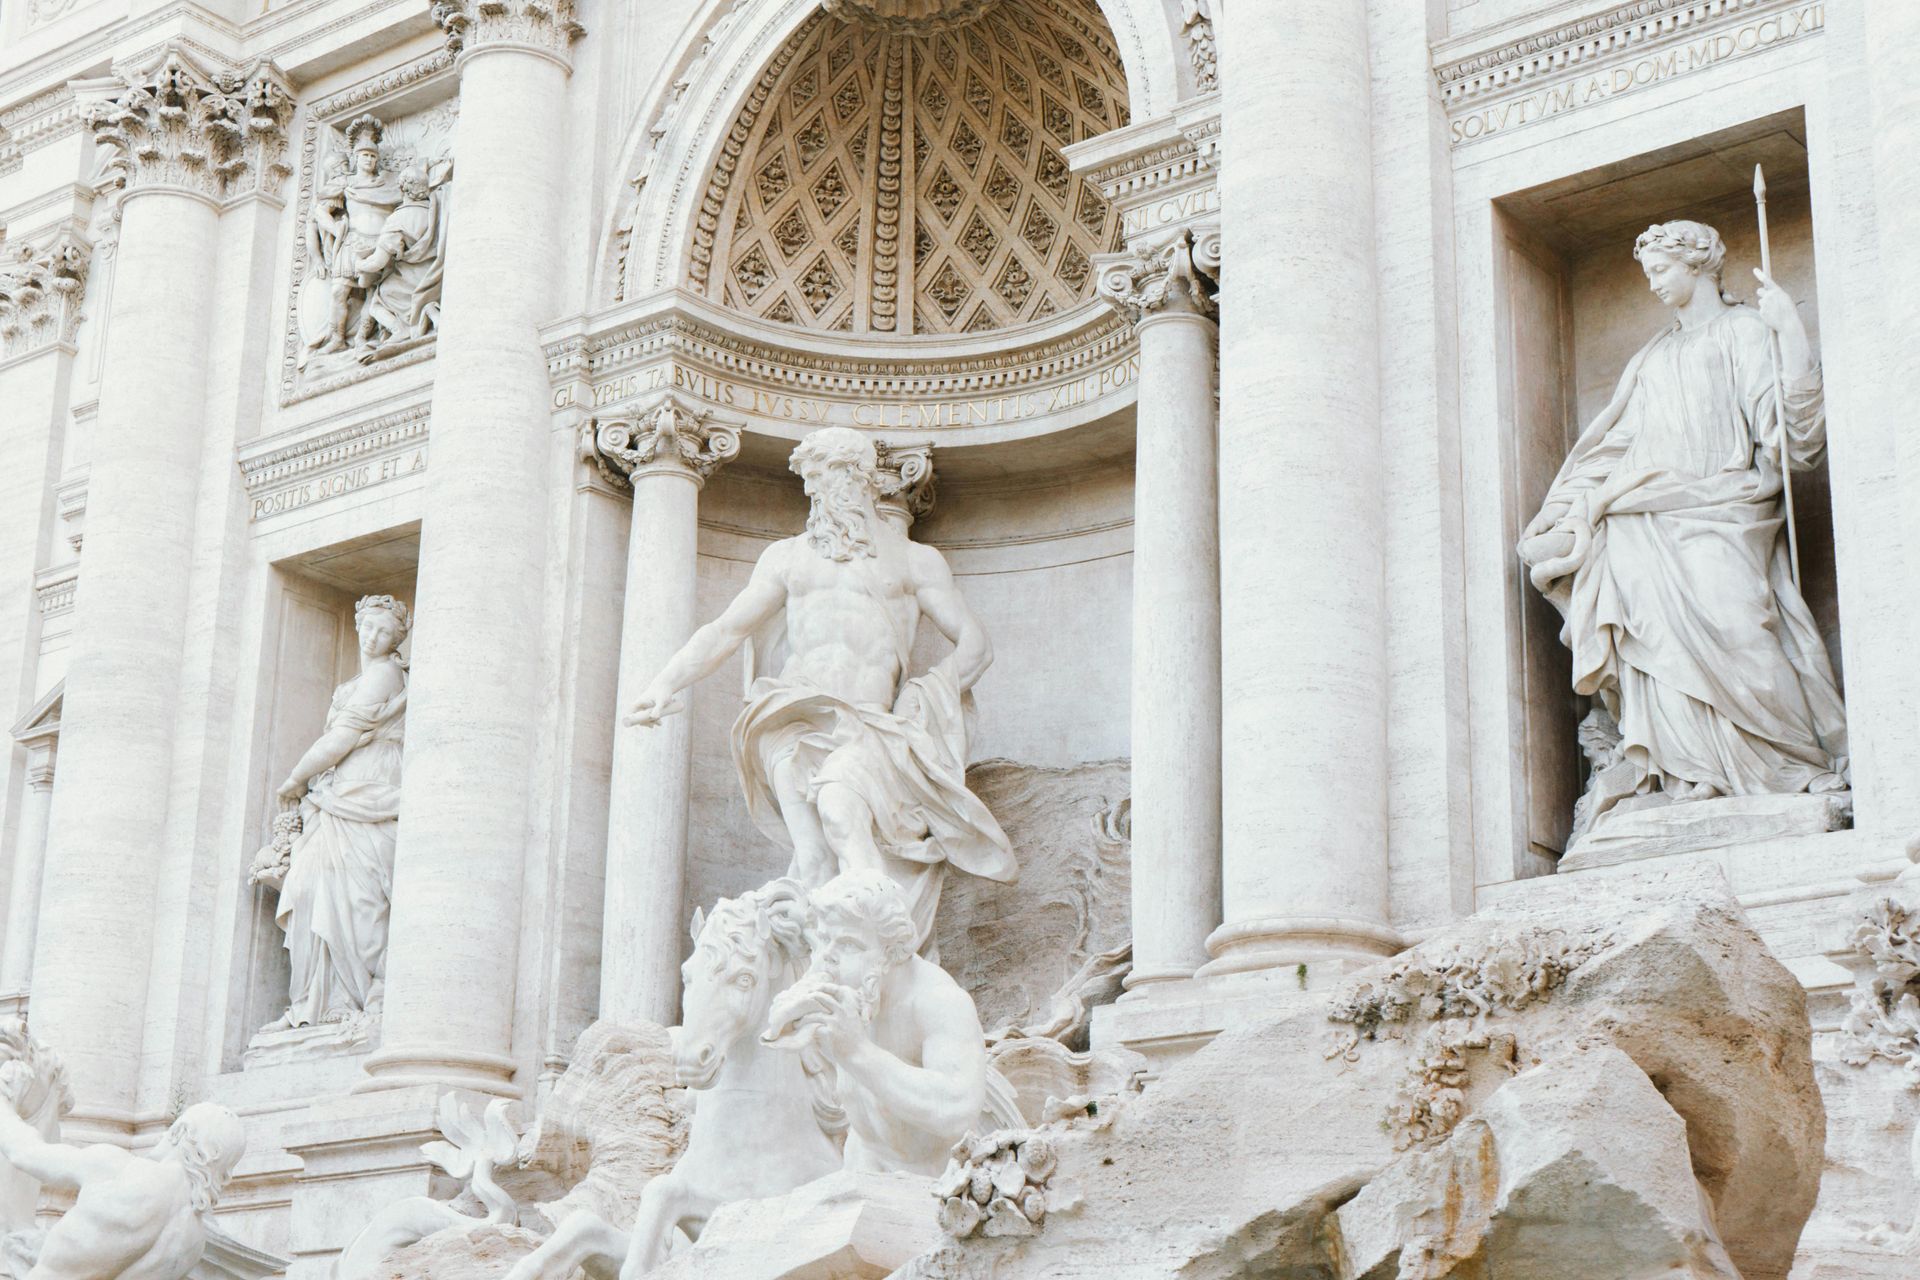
<point x="375" y="175"/>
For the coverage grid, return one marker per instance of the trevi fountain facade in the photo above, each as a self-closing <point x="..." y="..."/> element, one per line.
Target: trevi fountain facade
<point x="960" y="638"/>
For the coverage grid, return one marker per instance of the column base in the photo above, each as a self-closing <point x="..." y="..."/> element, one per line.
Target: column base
<point x="1138" y="978"/>
<point x="439" y="1067"/>
<point x="358" y="1155"/>
<point x="1280" y="942"/>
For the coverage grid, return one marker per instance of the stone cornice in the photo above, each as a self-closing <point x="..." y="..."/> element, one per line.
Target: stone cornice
<point x="1158" y="173"/>
<point x="1544" y="73"/>
<point x="54" y="589"/>
<point x="184" y="126"/>
<point x="40" y="290"/>
<point x="282" y="474"/>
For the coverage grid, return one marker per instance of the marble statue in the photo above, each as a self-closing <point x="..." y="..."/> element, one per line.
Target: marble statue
<point x="337" y="880"/>
<point x="901" y="1037"/>
<point x="846" y="760"/>
<point x="1661" y="543"/>
<point x="134" y="1216"/>
<point x="763" y="1121"/>
<point x="378" y="243"/>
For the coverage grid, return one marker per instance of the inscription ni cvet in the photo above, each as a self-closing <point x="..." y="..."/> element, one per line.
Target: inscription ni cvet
<point x="1014" y="406"/>
<point x="1165" y="213"/>
<point x="334" y="484"/>
<point x="1676" y="60"/>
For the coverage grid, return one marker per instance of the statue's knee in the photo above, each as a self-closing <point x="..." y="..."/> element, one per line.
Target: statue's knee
<point x="842" y="815"/>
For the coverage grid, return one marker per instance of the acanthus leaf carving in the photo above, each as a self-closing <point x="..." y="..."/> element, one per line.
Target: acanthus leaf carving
<point x="546" y="25"/>
<point x="667" y="436"/>
<point x="40" y="292"/>
<point x="1196" y="23"/>
<point x="1883" y="1014"/>
<point x="218" y="133"/>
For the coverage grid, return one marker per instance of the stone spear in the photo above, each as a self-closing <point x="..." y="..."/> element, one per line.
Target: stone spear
<point x="1779" y="400"/>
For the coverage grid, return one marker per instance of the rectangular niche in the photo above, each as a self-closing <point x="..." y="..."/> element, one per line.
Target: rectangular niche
<point x="1573" y="308"/>
<point x="308" y="648"/>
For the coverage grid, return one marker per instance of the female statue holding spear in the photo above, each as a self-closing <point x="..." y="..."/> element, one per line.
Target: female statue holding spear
<point x="1663" y="545"/>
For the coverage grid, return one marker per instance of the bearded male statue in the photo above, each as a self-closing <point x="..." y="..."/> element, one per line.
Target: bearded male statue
<point x="846" y="760"/>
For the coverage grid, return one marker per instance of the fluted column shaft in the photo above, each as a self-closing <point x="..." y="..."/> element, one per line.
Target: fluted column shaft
<point x="187" y="138"/>
<point x="667" y="455"/>
<point x="1302" y="530"/>
<point x="29" y="858"/>
<point x="1175" y="731"/>
<point x="475" y="700"/>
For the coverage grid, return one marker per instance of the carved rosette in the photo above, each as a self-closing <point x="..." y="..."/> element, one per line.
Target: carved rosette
<point x="906" y="481"/>
<point x="1144" y="283"/>
<point x="215" y="133"/>
<point x="40" y="291"/>
<point x="667" y="438"/>
<point x="542" y="26"/>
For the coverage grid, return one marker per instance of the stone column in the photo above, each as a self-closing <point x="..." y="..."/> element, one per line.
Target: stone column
<point x="1303" y="614"/>
<point x="1176" y="610"/>
<point x="186" y="137"/>
<point x="29" y="857"/>
<point x="666" y="454"/>
<point x="476" y="696"/>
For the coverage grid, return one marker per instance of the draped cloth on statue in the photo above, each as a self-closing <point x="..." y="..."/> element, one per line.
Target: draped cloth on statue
<point x="339" y="881"/>
<point x="909" y="770"/>
<point x="1681" y="611"/>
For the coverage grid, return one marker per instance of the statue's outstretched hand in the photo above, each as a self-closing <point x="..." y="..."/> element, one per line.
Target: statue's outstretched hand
<point x="651" y="708"/>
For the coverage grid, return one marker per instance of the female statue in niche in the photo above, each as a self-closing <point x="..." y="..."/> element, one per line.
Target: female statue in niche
<point x="338" y="878"/>
<point x="1662" y="544"/>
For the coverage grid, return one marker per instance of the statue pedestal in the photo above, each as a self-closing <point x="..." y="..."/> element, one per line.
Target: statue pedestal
<point x="853" y="1225"/>
<point x="276" y="1046"/>
<point x="1704" y="824"/>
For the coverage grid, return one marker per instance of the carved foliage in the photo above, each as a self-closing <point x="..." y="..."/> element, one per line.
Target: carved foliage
<point x="1451" y="990"/>
<point x="219" y="133"/>
<point x="996" y="1184"/>
<point x="1196" y="22"/>
<point x="40" y="290"/>
<point x="1883" y="1017"/>
<point x="540" y="24"/>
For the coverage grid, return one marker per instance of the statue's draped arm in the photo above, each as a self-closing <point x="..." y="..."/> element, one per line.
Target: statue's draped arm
<point x="941" y="601"/>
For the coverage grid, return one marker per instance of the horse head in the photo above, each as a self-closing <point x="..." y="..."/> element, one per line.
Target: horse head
<point x="744" y="953"/>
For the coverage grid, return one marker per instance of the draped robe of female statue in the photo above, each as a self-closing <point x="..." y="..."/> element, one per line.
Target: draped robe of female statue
<point x="1677" y="595"/>
<point x="339" y="881"/>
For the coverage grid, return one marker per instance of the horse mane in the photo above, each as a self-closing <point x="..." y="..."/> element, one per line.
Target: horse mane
<point x="775" y="916"/>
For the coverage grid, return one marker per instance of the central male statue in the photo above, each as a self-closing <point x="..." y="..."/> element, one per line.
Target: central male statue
<point x="844" y="758"/>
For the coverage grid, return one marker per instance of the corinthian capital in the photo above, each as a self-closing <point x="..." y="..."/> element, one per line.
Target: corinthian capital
<point x="212" y="132"/>
<point x="539" y="26"/>
<point x="40" y="288"/>
<point x="1143" y="283"/>
<point x="669" y="437"/>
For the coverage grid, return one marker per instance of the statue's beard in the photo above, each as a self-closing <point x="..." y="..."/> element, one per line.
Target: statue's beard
<point x="837" y="525"/>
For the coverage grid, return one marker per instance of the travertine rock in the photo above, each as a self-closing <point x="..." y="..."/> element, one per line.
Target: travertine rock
<point x="848" y="1226"/>
<point x="1231" y="1162"/>
<point x="1574" y="1165"/>
<point x="459" y="1254"/>
<point x="1037" y="954"/>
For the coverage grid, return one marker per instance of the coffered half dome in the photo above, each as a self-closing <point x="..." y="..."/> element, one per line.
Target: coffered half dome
<point x="885" y="182"/>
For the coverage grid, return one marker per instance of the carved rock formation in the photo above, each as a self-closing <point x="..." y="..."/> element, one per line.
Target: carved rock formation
<point x="1657" y="984"/>
<point x="1039" y="954"/>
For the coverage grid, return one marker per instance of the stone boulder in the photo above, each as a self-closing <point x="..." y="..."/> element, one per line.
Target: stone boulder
<point x="1239" y="1160"/>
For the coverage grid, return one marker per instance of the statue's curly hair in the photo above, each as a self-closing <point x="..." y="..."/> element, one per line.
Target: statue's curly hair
<point x="867" y="898"/>
<point x="1694" y="243"/>
<point x="388" y="605"/>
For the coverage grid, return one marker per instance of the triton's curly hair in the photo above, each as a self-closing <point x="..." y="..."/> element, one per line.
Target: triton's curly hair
<point x="1694" y="243"/>
<point x="868" y="899"/>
